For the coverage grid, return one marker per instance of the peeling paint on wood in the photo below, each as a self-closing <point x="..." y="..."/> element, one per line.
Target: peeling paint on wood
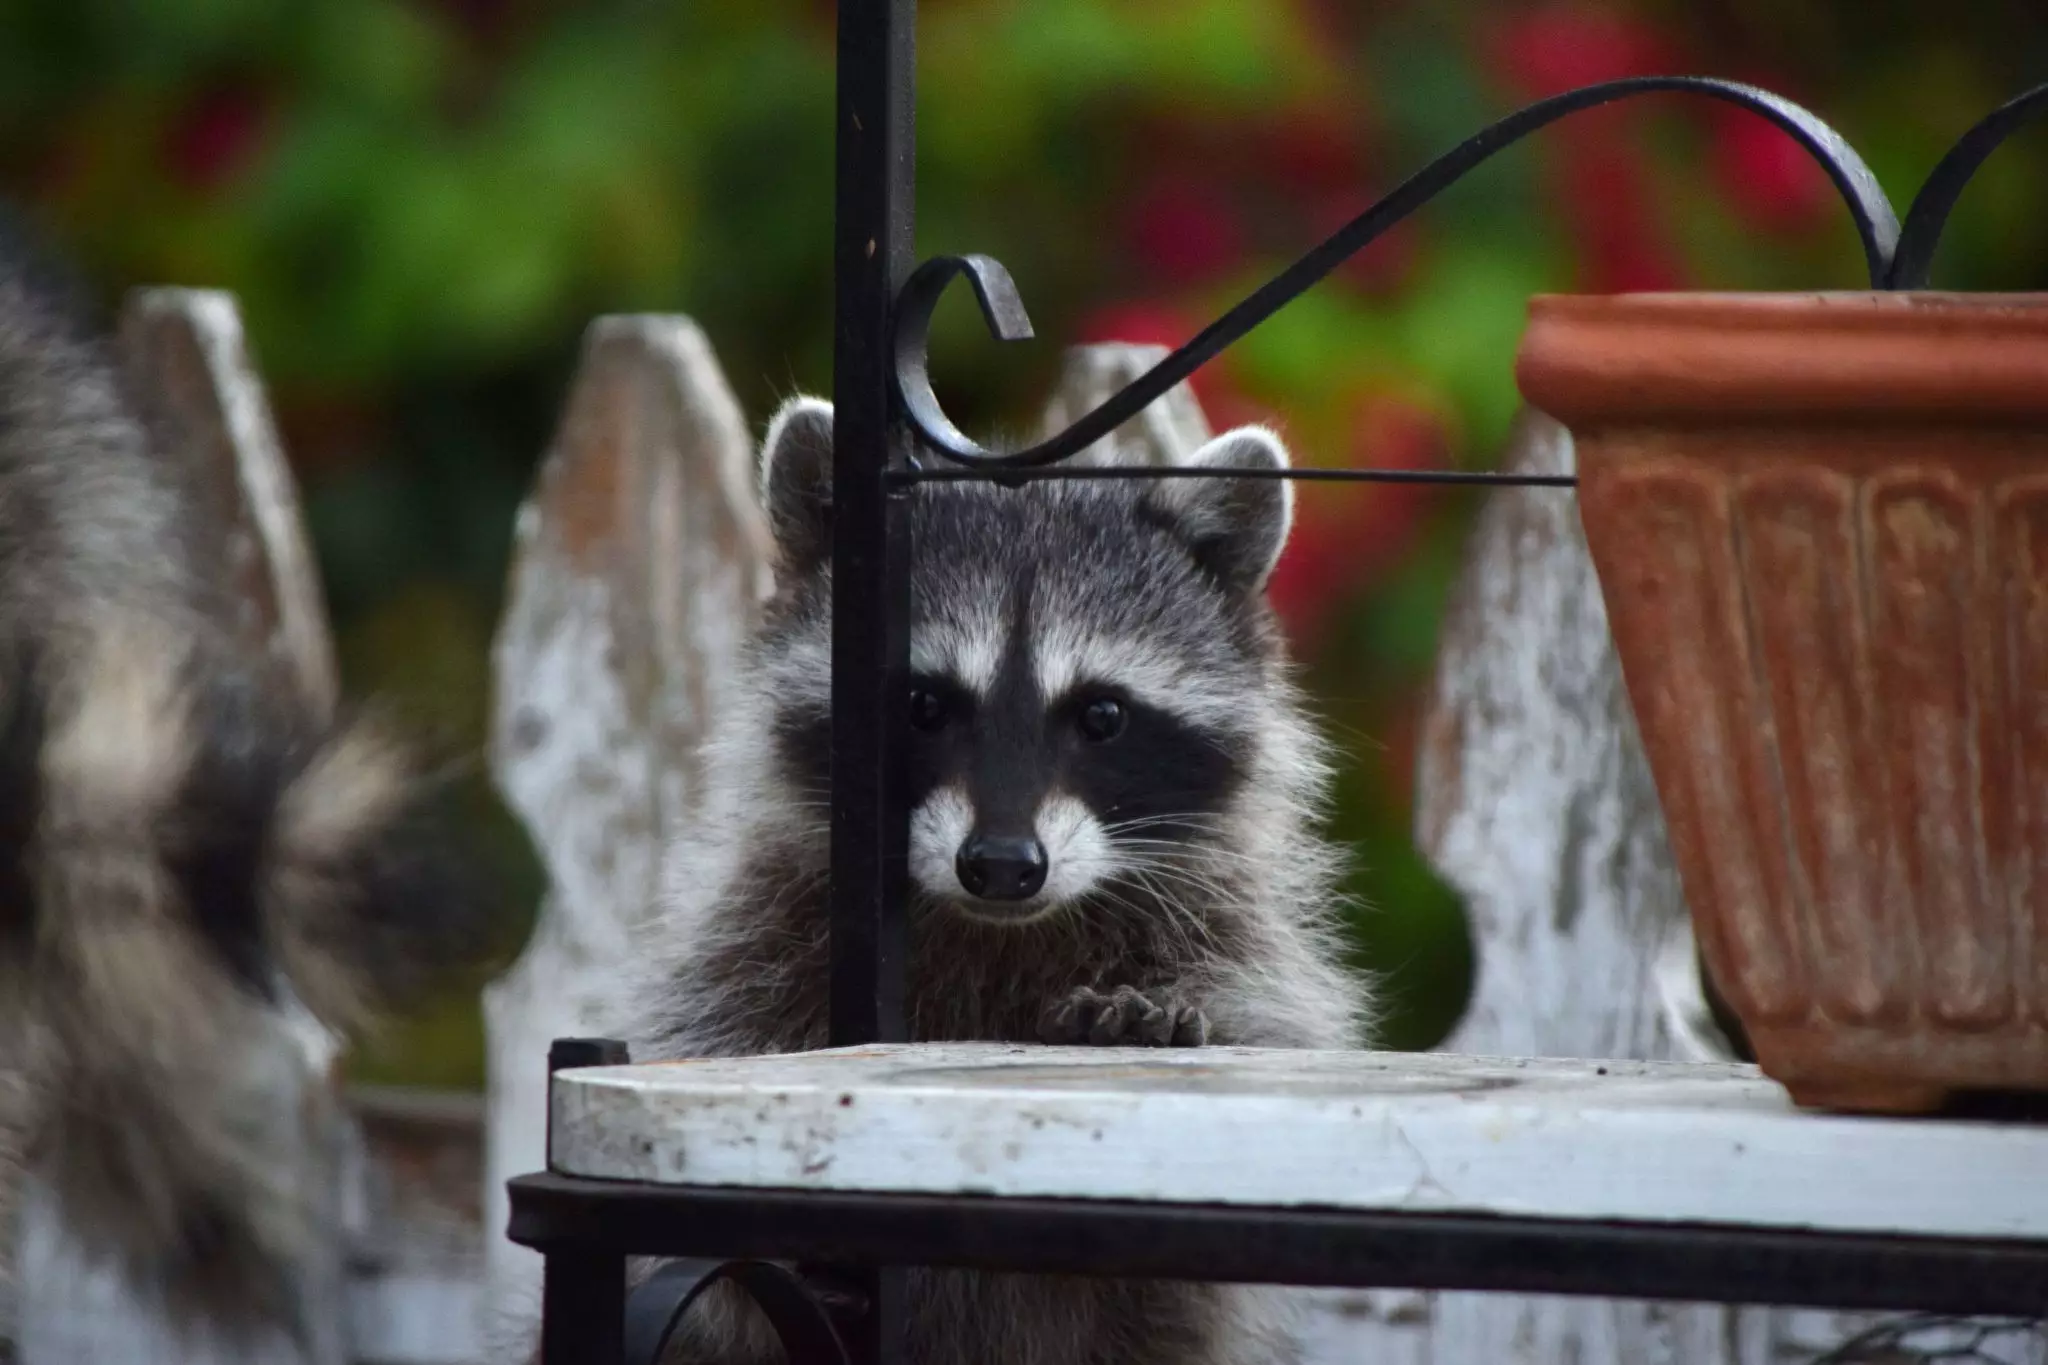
<point x="640" y="561"/>
<point x="184" y="350"/>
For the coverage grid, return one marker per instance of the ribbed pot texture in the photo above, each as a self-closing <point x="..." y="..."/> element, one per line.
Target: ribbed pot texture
<point x="1820" y="524"/>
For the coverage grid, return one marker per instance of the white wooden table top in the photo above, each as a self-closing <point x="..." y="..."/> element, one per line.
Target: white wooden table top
<point x="1415" y="1132"/>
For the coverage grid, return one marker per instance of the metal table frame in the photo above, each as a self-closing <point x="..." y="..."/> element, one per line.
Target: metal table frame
<point x="891" y="434"/>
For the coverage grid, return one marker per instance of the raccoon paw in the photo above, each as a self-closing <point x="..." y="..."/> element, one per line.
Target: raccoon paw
<point x="1125" y="1017"/>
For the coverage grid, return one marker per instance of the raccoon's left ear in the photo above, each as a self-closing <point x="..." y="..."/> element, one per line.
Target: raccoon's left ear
<point x="796" y="482"/>
<point x="1235" y="527"/>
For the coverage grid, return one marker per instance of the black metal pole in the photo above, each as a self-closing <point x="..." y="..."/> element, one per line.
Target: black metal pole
<point x="583" y="1293"/>
<point x="872" y="256"/>
<point x="870" y="596"/>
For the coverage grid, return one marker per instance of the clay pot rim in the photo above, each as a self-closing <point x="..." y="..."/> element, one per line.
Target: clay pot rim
<point x="1803" y="308"/>
<point x="1720" y="358"/>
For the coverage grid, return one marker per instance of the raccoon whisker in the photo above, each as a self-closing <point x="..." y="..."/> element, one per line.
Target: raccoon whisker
<point x="1216" y="863"/>
<point x="1075" y="929"/>
<point x="1169" y="883"/>
<point x="1174" y="903"/>
<point x="1148" y="821"/>
<point x="1178" y="833"/>
<point x="1193" y="933"/>
<point x="1162" y="903"/>
<point x="1166" y="830"/>
<point x="1215" y="887"/>
<point x="1193" y="852"/>
<point x="1170" y="853"/>
<point x="1208" y="889"/>
<point x="1185" y="817"/>
<point x="1116" y="900"/>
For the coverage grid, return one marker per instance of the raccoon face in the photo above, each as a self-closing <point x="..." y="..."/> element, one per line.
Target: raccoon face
<point x="1089" y="664"/>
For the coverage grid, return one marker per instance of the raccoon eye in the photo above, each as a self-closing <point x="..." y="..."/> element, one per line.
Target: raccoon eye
<point x="1102" y="720"/>
<point x="927" y="709"/>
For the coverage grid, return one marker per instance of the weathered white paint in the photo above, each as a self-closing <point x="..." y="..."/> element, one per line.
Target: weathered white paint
<point x="1534" y="797"/>
<point x="1686" y="1142"/>
<point x="640" y="561"/>
<point x="200" y="383"/>
<point x="185" y="355"/>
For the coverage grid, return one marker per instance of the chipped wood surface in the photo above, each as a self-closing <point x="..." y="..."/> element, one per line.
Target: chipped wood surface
<point x="640" y="562"/>
<point x="186" y="364"/>
<point x="1386" y="1132"/>
<point x="1533" y="796"/>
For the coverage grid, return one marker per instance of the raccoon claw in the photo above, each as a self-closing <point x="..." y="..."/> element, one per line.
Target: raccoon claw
<point x="1126" y="1017"/>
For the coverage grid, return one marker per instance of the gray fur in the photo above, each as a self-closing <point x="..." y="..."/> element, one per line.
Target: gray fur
<point x="185" y="851"/>
<point x="1224" y="933"/>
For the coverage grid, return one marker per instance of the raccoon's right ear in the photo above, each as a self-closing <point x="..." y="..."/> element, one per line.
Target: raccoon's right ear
<point x="1235" y="527"/>
<point x="796" y="482"/>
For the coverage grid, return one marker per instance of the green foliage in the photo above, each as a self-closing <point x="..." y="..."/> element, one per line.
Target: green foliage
<point x="421" y="205"/>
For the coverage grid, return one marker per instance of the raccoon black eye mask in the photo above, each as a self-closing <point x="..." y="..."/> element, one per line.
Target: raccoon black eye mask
<point x="1083" y="657"/>
<point x="1038" y="805"/>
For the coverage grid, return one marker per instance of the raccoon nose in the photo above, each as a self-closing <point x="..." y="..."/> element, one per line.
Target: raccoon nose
<point x="1001" y="869"/>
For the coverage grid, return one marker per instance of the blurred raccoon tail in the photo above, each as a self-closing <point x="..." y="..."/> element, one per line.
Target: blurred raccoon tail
<point x="190" y="873"/>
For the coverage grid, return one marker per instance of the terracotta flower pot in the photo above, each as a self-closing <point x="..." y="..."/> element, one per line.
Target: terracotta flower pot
<point x="1820" y="524"/>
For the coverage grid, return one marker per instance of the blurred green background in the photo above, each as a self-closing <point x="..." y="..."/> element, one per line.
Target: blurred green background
<point x="421" y="203"/>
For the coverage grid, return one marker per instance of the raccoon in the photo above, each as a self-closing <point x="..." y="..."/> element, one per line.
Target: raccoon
<point x="192" y="857"/>
<point x="1115" y="793"/>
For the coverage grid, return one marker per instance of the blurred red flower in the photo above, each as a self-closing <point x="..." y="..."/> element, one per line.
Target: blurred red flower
<point x="1311" y="151"/>
<point x="1308" y="581"/>
<point x="1604" y="193"/>
<point x="1602" y="186"/>
<point x="1185" y="232"/>
<point x="216" y="135"/>
<point x="1553" y="48"/>
<point x="1347" y="534"/>
<point x="1768" y="178"/>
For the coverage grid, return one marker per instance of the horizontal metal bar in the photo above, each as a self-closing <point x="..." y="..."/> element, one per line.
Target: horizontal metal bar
<point x="1453" y="478"/>
<point x="1712" y="1264"/>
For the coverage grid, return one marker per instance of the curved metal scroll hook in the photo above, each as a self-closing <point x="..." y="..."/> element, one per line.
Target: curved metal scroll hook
<point x="1876" y="225"/>
<point x="1928" y="215"/>
<point x="656" y="1308"/>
